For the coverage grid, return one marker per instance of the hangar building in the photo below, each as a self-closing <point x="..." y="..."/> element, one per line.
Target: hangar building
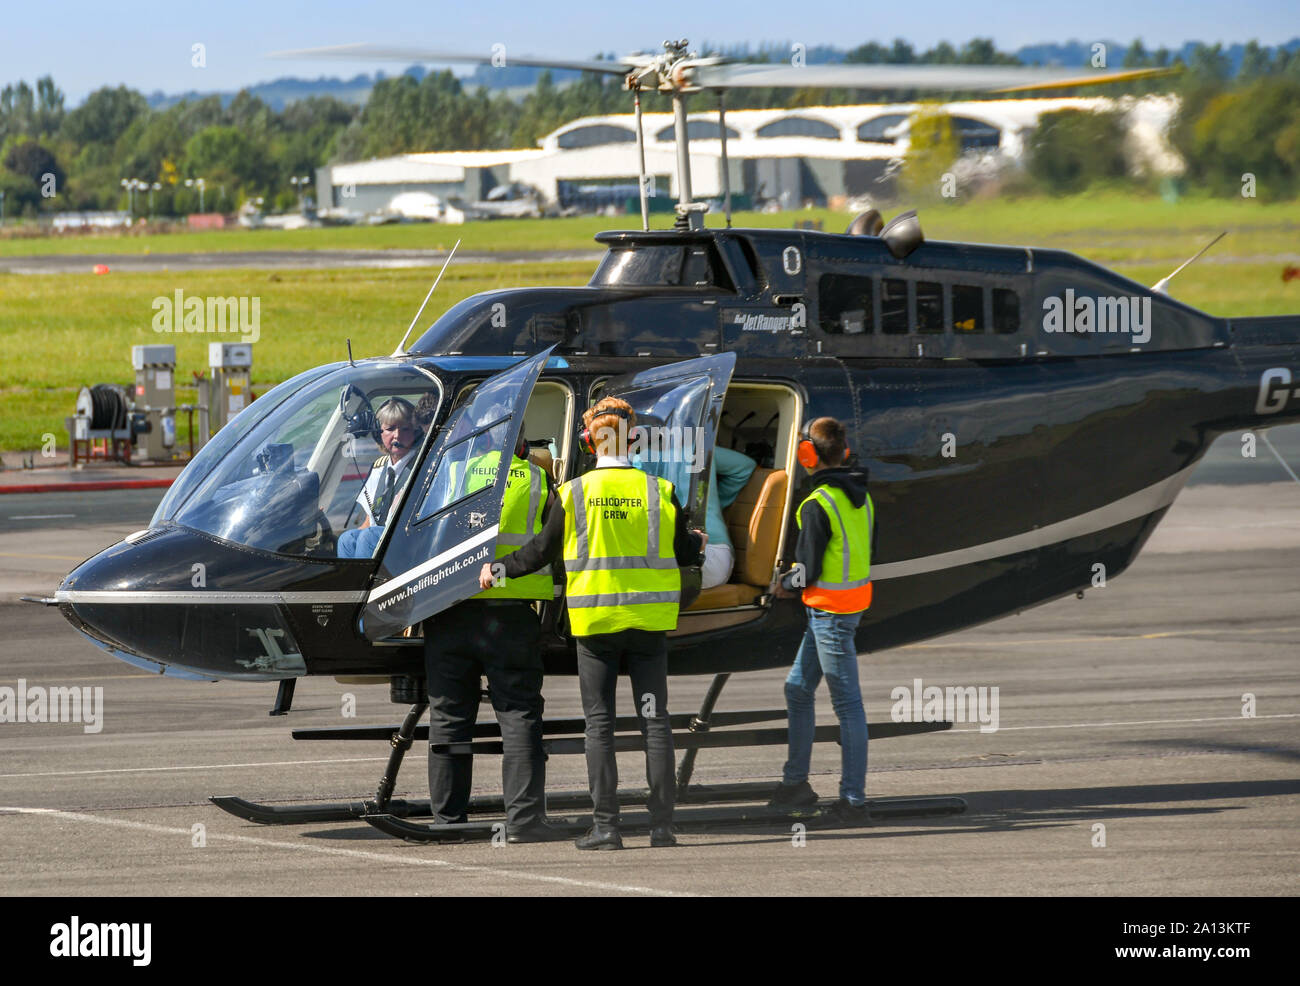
<point x="793" y="156"/>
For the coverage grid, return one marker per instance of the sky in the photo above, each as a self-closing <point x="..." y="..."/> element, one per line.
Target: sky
<point x="149" y="45"/>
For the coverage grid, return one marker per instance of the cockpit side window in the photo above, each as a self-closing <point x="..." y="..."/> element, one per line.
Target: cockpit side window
<point x="333" y="459"/>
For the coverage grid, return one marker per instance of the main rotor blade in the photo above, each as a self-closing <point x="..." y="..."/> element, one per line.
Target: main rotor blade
<point x="367" y="52"/>
<point x="996" y="78"/>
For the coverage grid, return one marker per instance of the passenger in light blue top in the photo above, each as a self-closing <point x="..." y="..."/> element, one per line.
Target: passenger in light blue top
<point x="729" y="471"/>
<point x="728" y="474"/>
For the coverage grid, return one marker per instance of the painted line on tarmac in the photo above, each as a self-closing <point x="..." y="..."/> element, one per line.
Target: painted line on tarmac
<point x="1135" y="722"/>
<point x="88" y="485"/>
<point x="197" y="766"/>
<point x="40" y="516"/>
<point x="379" y="857"/>
<point x="23" y="554"/>
<point x="1101" y="639"/>
<point x="303" y="763"/>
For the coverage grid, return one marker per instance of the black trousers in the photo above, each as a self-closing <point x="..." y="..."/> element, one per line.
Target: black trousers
<point x="646" y="654"/>
<point x="502" y="641"/>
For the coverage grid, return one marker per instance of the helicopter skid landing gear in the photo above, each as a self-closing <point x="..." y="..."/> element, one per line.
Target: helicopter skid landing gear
<point x="719" y="804"/>
<point x="400" y="739"/>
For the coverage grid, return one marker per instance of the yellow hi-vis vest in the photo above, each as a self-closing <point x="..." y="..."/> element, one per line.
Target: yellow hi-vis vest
<point x="521" y="518"/>
<point x="844" y="585"/>
<point x="620" y="570"/>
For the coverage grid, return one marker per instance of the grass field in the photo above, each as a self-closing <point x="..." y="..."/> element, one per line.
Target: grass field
<point x="1111" y="226"/>
<point x="61" y="332"/>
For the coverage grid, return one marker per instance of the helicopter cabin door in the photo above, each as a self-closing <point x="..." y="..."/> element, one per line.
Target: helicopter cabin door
<point x="677" y="408"/>
<point x="448" y="524"/>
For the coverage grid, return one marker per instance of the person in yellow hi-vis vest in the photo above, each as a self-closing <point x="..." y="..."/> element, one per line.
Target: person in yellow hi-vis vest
<point x="623" y="539"/>
<point x="495" y="633"/>
<point x="832" y="571"/>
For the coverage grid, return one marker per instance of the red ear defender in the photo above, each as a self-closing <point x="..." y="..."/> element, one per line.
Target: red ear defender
<point x="806" y="452"/>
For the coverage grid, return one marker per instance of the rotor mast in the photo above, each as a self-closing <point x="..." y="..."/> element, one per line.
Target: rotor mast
<point x="670" y="73"/>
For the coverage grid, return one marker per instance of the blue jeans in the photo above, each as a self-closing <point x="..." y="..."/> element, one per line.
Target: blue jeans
<point x="828" y="650"/>
<point x="359" y="542"/>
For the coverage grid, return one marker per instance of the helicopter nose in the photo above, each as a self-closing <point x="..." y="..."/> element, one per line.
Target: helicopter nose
<point x="151" y="597"/>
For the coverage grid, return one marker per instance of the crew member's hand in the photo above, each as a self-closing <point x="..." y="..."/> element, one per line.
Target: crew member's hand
<point x="783" y="593"/>
<point x="704" y="538"/>
<point x="485" y="579"/>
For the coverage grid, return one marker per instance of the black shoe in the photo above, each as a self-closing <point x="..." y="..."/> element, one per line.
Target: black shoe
<point x="790" y="796"/>
<point x="842" y="814"/>
<point x="662" y="836"/>
<point x="537" y="831"/>
<point x="600" y="838"/>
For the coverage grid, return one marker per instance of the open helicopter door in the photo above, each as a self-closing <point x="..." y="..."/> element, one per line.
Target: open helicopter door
<point x="677" y="408"/>
<point x="448" y="524"/>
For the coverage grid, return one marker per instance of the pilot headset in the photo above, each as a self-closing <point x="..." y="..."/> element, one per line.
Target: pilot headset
<point x="587" y="440"/>
<point x="806" y="452"/>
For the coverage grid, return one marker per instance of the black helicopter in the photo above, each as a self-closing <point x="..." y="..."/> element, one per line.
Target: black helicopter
<point x="1025" y="415"/>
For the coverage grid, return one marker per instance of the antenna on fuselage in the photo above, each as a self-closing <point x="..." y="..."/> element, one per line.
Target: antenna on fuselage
<point x="1163" y="284"/>
<point x="400" y="350"/>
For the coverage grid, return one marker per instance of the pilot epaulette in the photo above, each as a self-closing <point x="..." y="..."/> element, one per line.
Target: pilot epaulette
<point x="379" y="462"/>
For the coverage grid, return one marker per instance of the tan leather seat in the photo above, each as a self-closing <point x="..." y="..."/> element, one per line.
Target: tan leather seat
<point x="542" y="457"/>
<point x="754" y="523"/>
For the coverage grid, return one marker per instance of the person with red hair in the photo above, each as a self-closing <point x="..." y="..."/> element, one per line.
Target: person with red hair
<point x="622" y="537"/>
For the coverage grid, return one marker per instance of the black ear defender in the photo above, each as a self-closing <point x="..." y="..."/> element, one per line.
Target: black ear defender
<point x="587" y="441"/>
<point x="521" y="450"/>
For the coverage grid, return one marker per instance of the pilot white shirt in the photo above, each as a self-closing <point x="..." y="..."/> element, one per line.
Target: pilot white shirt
<point x="370" y="491"/>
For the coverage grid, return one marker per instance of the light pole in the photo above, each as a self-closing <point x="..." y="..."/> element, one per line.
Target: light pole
<point x="200" y="184"/>
<point x="2" y="208"/>
<point x="131" y="184"/>
<point x="300" y="185"/>
<point x="156" y="186"/>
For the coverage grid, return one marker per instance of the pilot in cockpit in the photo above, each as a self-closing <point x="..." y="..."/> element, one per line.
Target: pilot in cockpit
<point x="399" y="434"/>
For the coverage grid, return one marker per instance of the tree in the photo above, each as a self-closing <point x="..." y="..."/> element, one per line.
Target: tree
<point x="933" y="149"/>
<point x="104" y="116"/>
<point x="33" y="161"/>
<point x="49" y="107"/>
<point x="17" y="110"/>
<point x="222" y="155"/>
<point x="1071" y="149"/>
<point x="1249" y="130"/>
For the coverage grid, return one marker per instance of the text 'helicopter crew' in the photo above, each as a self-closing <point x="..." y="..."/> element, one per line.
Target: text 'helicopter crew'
<point x="622" y="537"/>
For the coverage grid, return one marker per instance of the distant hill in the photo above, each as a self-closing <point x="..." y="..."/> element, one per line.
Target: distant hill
<point x="1080" y="52"/>
<point x="518" y="79"/>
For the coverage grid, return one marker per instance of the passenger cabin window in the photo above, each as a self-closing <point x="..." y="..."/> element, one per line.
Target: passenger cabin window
<point x="929" y="306"/>
<point x="967" y="308"/>
<point x="844" y="304"/>
<point x="1006" y="311"/>
<point x="893" y="306"/>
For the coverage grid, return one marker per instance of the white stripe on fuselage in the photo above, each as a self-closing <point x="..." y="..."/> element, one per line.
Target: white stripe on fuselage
<point x="411" y="574"/>
<point x="1135" y="505"/>
<point x="1145" y="501"/>
<point x="204" y="596"/>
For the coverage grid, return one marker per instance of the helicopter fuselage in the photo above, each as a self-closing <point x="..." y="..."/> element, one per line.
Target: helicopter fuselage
<point x="1026" y="419"/>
